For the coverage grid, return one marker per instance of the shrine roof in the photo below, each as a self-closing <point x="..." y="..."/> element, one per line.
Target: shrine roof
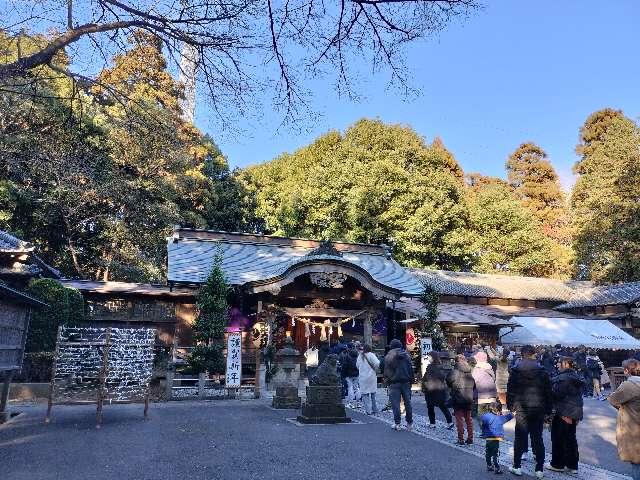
<point x="481" y="315"/>
<point x="603" y="295"/>
<point x="256" y="259"/>
<point x="501" y="286"/>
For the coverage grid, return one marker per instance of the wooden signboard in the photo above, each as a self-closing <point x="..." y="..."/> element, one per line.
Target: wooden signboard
<point x="98" y="365"/>
<point x="14" y="320"/>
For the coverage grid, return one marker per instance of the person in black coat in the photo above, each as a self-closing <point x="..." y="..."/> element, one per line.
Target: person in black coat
<point x="398" y="374"/>
<point x="548" y="362"/>
<point x="580" y="365"/>
<point x="567" y="404"/>
<point x="463" y="387"/>
<point x="529" y="399"/>
<point x="434" y="387"/>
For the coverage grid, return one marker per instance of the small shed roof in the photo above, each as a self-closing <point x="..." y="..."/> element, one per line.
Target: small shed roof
<point x="499" y="286"/>
<point x="260" y="259"/>
<point x="572" y="332"/>
<point x="460" y="314"/>
<point x="11" y="244"/>
<point x="19" y="296"/>
<point x="127" y="288"/>
<point x="603" y="295"/>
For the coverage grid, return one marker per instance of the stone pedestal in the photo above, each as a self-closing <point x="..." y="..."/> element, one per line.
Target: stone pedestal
<point x="286" y="397"/>
<point x="287" y="389"/>
<point x="323" y="405"/>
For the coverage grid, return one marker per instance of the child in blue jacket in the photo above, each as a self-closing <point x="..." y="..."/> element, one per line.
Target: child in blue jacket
<point x="493" y="432"/>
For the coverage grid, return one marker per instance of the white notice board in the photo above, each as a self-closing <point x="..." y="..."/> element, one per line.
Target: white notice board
<point x="234" y="359"/>
<point x="426" y="346"/>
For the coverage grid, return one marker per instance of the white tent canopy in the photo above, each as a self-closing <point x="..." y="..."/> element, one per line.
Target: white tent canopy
<point x="568" y="332"/>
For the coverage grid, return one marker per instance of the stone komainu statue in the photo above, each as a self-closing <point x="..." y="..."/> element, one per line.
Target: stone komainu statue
<point x="327" y="373"/>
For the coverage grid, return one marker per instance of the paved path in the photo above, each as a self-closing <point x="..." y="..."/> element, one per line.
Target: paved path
<point x="217" y="440"/>
<point x="596" y="438"/>
<point x="247" y="440"/>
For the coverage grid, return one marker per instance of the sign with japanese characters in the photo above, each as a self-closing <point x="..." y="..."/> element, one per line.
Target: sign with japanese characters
<point x="410" y="339"/>
<point x="234" y="359"/>
<point x="425" y="347"/>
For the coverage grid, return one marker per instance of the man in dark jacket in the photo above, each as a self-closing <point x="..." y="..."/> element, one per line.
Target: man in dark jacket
<point x="567" y="403"/>
<point x="436" y="392"/>
<point x="580" y="365"/>
<point x="529" y="399"/>
<point x="398" y="374"/>
<point x="548" y="362"/>
<point x="463" y="388"/>
<point x="349" y="371"/>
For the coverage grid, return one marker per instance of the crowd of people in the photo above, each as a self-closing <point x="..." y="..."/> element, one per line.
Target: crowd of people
<point x="537" y="387"/>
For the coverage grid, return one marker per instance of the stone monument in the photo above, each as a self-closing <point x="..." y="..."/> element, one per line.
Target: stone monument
<point x="324" y="395"/>
<point x="287" y="390"/>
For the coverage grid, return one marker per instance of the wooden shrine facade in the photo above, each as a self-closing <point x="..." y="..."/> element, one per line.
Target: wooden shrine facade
<point x="312" y="291"/>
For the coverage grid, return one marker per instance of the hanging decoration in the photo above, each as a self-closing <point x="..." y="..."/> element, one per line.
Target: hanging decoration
<point x="327" y="327"/>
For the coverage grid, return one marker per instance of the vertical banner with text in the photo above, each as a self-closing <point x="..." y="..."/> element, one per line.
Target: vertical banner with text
<point x="234" y="359"/>
<point x="425" y="347"/>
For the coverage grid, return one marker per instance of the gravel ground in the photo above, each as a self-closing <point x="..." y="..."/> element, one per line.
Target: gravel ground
<point x="596" y="433"/>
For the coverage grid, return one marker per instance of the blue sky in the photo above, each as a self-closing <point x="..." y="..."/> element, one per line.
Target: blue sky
<point x="515" y="71"/>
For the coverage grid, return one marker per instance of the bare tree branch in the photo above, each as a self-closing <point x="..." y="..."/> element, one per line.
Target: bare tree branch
<point x="244" y="45"/>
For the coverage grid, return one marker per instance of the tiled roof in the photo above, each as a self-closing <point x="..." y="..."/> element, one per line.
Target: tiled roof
<point x="461" y="313"/>
<point x="500" y="286"/>
<point x="618" y="294"/>
<point x="260" y="258"/>
<point x="9" y="243"/>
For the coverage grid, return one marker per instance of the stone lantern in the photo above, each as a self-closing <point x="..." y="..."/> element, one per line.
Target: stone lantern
<point x="287" y="389"/>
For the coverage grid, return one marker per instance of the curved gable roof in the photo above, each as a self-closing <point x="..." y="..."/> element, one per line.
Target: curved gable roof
<point x="253" y="259"/>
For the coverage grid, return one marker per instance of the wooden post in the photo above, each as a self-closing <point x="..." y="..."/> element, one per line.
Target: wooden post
<point x="4" y="396"/>
<point x="47" y="418"/>
<point x="256" y="386"/>
<point x="146" y="404"/>
<point x="103" y="379"/>
<point x="201" y="382"/>
<point x="368" y="330"/>
<point x="168" y="390"/>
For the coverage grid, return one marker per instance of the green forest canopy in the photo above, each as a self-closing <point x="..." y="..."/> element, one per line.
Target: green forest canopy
<point x="97" y="180"/>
